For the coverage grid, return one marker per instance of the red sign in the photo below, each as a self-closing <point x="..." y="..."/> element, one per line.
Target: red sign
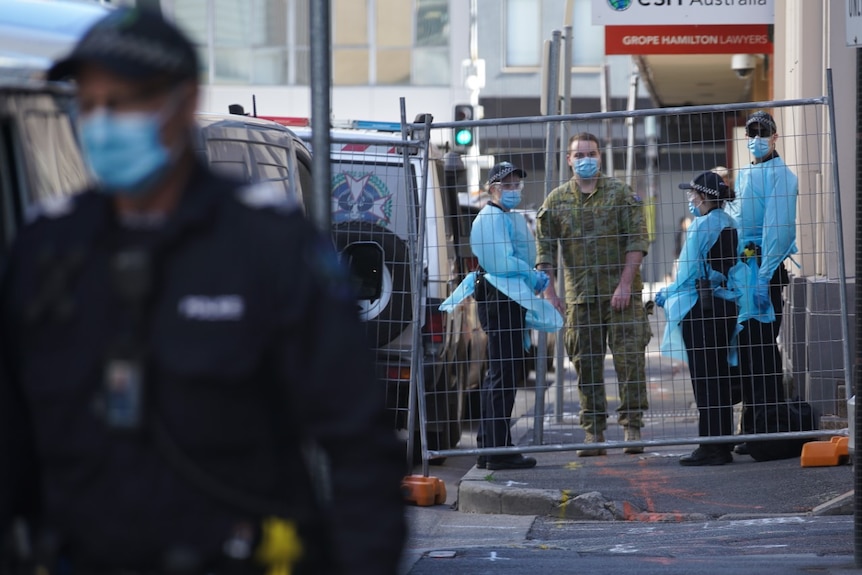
<point x="725" y="39"/>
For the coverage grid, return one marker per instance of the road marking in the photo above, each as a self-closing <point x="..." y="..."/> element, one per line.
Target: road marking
<point x="493" y="557"/>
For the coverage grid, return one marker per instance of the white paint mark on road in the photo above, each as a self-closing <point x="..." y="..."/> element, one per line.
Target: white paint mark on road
<point x="493" y="557"/>
<point x="623" y="549"/>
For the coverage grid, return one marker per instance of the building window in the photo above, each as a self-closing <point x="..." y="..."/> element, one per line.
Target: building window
<point x="524" y="42"/>
<point x="374" y="42"/>
<point x="247" y="41"/>
<point x="390" y="42"/>
<point x="431" y="43"/>
<point x="588" y="48"/>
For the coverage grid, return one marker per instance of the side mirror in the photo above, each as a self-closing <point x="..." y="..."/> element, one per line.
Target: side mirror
<point x="365" y="263"/>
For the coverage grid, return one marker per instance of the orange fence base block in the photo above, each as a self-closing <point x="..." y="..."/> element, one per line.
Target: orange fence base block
<point x="825" y="453"/>
<point x="423" y="491"/>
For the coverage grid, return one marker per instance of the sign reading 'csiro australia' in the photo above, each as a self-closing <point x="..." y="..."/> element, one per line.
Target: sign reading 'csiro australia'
<point x="675" y="12"/>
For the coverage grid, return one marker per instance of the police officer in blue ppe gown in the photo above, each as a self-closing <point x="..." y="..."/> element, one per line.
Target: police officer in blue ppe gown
<point x="765" y="212"/>
<point x="173" y="346"/>
<point x="506" y="291"/>
<point x="701" y="309"/>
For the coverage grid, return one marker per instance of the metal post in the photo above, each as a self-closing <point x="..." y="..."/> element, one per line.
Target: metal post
<point x="849" y="375"/>
<point x="605" y="100"/>
<point x="630" y="123"/>
<point x="652" y="166"/>
<point x="416" y="233"/>
<point x="553" y="92"/>
<point x="564" y="175"/>
<point x="321" y="81"/>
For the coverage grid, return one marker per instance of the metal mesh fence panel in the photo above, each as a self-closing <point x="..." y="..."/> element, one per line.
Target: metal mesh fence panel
<point x="733" y="377"/>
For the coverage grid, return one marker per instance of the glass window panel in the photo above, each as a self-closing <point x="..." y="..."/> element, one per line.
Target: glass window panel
<point x="270" y="66"/>
<point x="394" y="23"/>
<point x="232" y="65"/>
<point x="232" y="23"/>
<point x="588" y="48"/>
<point x="393" y="66"/>
<point x="302" y="63"/>
<point x="350" y="67"/>
<point x="431" y="67"/>
<point x="270" y="22"/>
<point x="523" y="33"/>
<point x="432" y="22"/>
<point x="191" y="16"/>
<point x="302" y="23"/>
<point x="204" y="63"/>
<point x="350" y="23"/>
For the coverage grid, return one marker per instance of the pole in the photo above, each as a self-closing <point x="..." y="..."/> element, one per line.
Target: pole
<point x="553" y="99"/>
<point x="321" y="81"/>
<point x="605" y="98"/>
<point x="630" y="123"/>
<point x="564" y="174"/>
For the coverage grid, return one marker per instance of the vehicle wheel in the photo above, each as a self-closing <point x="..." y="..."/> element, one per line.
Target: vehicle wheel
<point x="388" y="316"/>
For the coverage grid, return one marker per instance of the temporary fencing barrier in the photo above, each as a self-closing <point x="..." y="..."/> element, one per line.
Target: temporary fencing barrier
<point x="670" y="146"/>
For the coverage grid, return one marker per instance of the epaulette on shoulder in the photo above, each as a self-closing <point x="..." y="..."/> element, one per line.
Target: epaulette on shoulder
<point x="264" y="195"/>
<point x="52" y="208"/>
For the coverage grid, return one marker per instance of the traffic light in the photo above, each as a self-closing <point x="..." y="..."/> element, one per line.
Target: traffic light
<point x="463" y="136"/>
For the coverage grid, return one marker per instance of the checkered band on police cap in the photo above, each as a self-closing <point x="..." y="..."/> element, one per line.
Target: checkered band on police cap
<point x="133" y="43"/>
<point x="708" y="183"/>
<point x="762" y="118"/>
<point x="503" y="169"/>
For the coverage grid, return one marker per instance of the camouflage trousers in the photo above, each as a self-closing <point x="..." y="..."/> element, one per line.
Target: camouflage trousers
<point x="593" y="327"/>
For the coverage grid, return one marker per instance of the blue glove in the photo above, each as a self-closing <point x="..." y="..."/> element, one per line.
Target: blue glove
<point x="660" y="298"/>
<point x="761" y="296"/>
<point x="540" y="281"/>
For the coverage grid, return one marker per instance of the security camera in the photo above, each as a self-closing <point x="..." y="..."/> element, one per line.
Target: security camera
<point x="743" y="65"/>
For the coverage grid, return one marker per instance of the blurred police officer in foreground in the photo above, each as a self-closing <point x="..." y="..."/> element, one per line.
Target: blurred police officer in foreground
<point x="171" y="344"/>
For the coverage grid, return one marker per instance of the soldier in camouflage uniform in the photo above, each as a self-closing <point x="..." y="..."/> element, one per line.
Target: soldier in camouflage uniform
<point x="600" y="226"/>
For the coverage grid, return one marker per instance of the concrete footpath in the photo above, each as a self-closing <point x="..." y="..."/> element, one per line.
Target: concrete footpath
<point x="653" y="487"/>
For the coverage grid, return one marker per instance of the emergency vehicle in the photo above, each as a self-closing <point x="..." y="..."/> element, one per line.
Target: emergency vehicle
<point x="374" y="203"/>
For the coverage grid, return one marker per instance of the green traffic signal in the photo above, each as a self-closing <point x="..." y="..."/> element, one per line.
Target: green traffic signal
<point x="464" y="137"/>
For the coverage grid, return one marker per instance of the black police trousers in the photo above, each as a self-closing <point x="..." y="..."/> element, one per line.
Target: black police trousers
<point x="761" y="369"/>
<point x="503" y="320"/>
<point x="707" y="335"/>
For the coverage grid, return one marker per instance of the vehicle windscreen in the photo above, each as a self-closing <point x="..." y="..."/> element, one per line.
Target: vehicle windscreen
<point x="249" y="153"/>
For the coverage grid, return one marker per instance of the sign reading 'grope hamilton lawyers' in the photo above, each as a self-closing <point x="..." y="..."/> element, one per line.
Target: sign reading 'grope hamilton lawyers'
<point x="720" y="39"/>
<point x="670" y="12"/>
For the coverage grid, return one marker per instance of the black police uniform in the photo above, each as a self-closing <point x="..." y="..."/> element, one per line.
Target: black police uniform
<point x="252" y="347"/>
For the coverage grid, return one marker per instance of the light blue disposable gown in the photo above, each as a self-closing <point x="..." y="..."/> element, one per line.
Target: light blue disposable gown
<point x="506" y="250"/>
<point x="765" y="213"/>
<point x="681" y="294"/>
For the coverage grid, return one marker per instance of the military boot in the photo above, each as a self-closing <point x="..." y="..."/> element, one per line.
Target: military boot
<point x="593" y="438"/>
<point x="633" y="434"/>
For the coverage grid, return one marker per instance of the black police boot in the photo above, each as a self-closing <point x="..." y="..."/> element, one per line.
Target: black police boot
<point x="517" y="461"/>
<point x="481" y="462"/>
<point x="707" y="455"/>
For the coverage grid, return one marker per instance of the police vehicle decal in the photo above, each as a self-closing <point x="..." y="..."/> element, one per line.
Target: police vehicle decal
<point x="358" y="197"/>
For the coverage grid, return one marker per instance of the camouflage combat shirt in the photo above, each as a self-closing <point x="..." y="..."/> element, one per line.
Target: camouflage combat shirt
<point x="594" y="232"/>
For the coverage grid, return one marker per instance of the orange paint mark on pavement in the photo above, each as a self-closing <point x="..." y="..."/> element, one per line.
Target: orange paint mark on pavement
<point x="646" y="483"/>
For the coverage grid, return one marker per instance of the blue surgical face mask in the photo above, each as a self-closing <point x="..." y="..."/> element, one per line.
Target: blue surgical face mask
<point x="586" y="167"/>
<point x="758" y="146"/>
<point x="510" y="198"/>
<point x="125" y="150"/>
<point x="694" y="209"/>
